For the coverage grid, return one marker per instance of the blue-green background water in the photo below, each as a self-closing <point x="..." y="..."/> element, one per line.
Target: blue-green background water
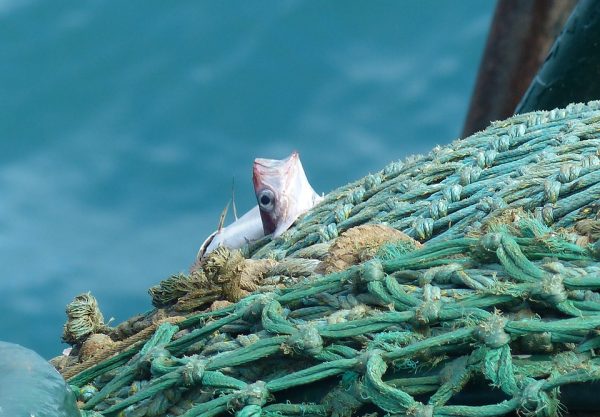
<point x="122" y="124"/>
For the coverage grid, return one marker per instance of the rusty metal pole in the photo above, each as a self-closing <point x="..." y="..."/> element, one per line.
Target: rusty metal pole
<point x="520" y="37"/>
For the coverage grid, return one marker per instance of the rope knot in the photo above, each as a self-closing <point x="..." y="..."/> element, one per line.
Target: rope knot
<point x="535" y="119"/>
<point x="193" y="371"/>
<point x="545" y="214"/>
<point x="469" y="174"/>
<point x="552" y="290"/>
<point x="423" y="228"/>
<point x="364" y="358"/>
<point x="393" y="169"/>
<point x="356" y="196"/>
<point x="536" y="402"/>
<point x="372" y="181"/>
<point x="255" y="394"/>
<point x="452" y="193"/>
<point x="489" y="204"/>
<point x="491" y="332"/>
<point x="420" y="410"/>
<point x="551" y="190"/>
<point x="85" y="393"/>
<point x="439" y="274"/>
<point x="407" y="186"/>
<point x="163" y="364"/>
<point x="590" y="161"/>
<point x="485" y="159"/>
<point x="326" y="233"/>
<point x="517" y="130"/>
<point x="489" y="243"/>
<point x="568" y="173"/>
<point x="306" y="340"/>
<point x="557" y="114"/>
<point x="371" y="271"/>
<point x="501" y="143"/>
<point x="252" y="306"/>
<point x="429" y="310"/>
<point x="342" y="212"/>
<point x="154" y="354"/>
<point x="438" y="208"/>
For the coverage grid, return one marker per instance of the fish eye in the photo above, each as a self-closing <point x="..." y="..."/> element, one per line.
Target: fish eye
<point x="266" y="199"/>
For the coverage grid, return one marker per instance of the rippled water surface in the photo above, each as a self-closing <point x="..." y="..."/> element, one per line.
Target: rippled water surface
<point x="123" y="123"/>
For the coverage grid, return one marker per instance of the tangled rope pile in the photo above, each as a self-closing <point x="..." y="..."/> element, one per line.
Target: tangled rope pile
<point x="475" y="268"/>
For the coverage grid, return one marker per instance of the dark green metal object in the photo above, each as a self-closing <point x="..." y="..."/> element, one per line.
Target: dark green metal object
<point x="571" y="72"/>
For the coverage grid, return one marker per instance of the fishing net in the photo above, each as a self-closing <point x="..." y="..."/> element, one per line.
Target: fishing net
<point x="459" y="283"/>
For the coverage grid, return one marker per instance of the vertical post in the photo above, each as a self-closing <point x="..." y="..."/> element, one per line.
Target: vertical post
<point x="520" y="36"/>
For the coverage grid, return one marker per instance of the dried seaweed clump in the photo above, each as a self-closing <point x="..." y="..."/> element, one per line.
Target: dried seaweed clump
<point x="224" y="275"/>
<point x="234" y="275"/>
<point x="83" y="318"/>
<point x="168" y="291"/>
<point x="359" y="244"/>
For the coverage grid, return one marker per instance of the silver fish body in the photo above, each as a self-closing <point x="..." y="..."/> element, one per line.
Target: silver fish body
<point x="282" y="192"/>
<point x="244" y="230"/>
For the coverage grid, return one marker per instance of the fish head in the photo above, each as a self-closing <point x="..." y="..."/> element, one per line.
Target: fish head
<point x="282" y="192"/>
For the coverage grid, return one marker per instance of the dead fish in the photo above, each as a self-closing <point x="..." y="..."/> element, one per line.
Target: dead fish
<point x="282" y="192"/>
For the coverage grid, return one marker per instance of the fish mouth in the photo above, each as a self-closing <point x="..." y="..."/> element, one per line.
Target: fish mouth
<point x="271" y="171"/>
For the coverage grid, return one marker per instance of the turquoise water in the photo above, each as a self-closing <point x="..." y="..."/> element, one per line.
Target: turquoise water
<point x="123" y="123"/>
